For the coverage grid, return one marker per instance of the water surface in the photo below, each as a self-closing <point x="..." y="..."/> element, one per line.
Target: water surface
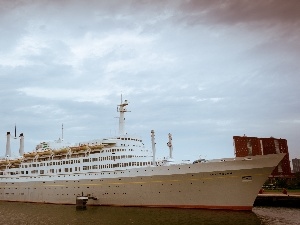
<point x="31" y="213"/>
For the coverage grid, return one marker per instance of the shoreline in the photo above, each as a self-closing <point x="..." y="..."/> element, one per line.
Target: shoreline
<point x="278" y="199"/>
<point x="280" y="192"/>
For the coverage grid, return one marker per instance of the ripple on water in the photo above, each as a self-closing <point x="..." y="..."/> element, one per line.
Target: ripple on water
<point x="278" y="215"/>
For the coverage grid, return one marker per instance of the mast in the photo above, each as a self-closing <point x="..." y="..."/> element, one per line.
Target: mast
<point x="170" y="145"/>
<point x="122" y="109"/>
<point x="62" y="131"/>
<point x="153" y="146"/>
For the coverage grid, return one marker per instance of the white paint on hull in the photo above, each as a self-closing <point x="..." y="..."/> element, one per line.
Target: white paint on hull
<point x="216" y="184"/>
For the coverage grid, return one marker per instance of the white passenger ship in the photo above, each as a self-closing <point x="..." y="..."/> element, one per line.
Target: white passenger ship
<point x="120" y="171"/>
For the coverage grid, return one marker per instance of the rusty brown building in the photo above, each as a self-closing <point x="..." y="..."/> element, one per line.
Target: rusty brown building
<point x="250" y="146"/>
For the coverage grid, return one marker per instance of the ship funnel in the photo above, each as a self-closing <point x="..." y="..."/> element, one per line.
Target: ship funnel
<point x="170" y="146"/>
<point x="21" y="150"/>
<point x="8" y="151"/>
<point x="153" y="146"/>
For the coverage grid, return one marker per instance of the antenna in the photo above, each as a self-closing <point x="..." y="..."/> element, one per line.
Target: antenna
<point x="62" y="131"/>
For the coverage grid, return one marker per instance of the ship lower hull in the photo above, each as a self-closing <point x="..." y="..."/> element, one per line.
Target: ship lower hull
<point x="211" y="186"/>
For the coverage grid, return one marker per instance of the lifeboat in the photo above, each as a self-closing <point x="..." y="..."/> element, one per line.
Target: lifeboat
<point x="96" y="147"/>
<point x="48" y="152"/>
<point x="56" y="152"/>
<point x="30" y="154"/>
<point x="17" y="161"/>
<point x="63" y="151"/>
<point x="79" y="148"/>
<point x="4" y="163"/>
<point x="75" y="149"/>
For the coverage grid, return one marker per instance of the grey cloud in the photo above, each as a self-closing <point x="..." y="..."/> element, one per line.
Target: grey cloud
<point x="245" y="11"/>
<point x="234" y="71"/>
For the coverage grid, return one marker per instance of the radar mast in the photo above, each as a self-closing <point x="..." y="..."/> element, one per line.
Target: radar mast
<point x="122" y="109"/>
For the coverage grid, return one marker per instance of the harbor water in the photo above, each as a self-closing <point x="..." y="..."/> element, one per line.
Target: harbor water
<point x="12" y="213"/>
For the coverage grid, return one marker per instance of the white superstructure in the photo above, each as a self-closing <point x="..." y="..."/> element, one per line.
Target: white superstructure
<point x="121" y="171"/>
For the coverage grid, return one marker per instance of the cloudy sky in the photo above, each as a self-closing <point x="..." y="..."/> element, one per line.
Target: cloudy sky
<point x="202" y="70"/>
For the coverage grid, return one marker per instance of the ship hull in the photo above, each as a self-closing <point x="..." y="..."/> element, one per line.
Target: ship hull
<point x="228" y="184"/>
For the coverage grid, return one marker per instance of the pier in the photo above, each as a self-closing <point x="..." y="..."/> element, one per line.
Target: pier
<point x="277" y="199"/>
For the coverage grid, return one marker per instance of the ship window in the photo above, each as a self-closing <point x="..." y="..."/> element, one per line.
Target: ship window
<point x="85" y="167"/>
<point x="246" y="178"/>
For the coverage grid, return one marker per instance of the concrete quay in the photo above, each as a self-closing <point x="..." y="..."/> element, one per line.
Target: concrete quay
<point x="291" y="200"/>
